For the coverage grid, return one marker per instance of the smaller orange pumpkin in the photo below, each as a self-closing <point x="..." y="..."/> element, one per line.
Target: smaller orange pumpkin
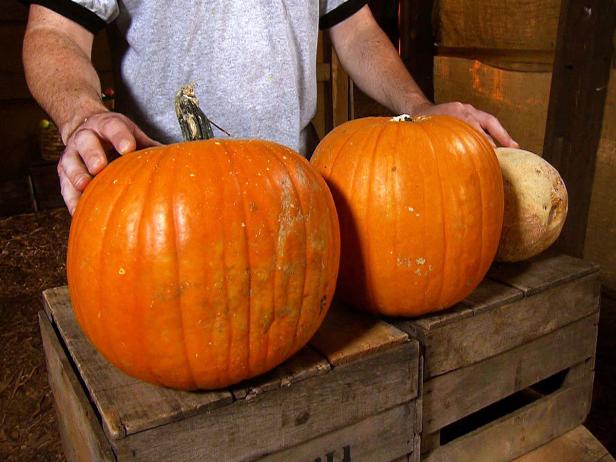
<point x="420" y="204"/>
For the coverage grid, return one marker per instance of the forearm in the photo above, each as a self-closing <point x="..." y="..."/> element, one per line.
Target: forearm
<point x="373" y="63"/>
<point x="61" y="78"/>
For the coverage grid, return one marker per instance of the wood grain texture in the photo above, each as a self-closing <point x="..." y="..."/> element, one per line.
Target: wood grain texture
<point x="541" y="272"/>
<point x="286" y="416"/>
<point x="348" y="335"/>
<point x="303" y="399"/>
<point x="600" y="245"/>
<point x="82" y="437"/>
<point x="518" y="99"/>
<point x="520" y="25"/>
<point x="521" y="431"/>
<point x="450" y="397"/>
<point x="487" y="295"/>
<point x="577" y="95"/>
<point x="305" y="363"/>
<point x="577" y="445"/>
<point x="472" y="339"/>
<point x="382" y="437"/>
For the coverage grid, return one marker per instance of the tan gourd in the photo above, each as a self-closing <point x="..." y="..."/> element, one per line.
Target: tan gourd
<point x="535" y="204"/>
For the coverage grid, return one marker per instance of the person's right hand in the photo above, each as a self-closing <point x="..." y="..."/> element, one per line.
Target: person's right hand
<point x="87" y="147"/>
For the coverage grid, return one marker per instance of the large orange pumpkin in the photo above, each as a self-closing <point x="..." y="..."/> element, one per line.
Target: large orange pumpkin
<point x="199" y="264"/>
<point x="420" y="204"/>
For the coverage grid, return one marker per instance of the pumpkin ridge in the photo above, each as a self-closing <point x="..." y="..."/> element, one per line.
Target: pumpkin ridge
<point x="443" y="214"/>
<point x="288" y="177"/>
<point x="351" y="181"/>
<point x="482" y="201"/>
<point x="249" y="274"/>
<point x="423" y="226"/>
<point x="343" y="145"/>
<point x="448" y="126"/>
<point x="369" y="200"/>
<point x="480" y="139"/>
<point x="110" y="350"/>
<point x="229" y="330"/>
<point x="139" y="261"/>
<point x="247" y="153"/>
<point x="301" y="211"/>
<point x="179" y="300"/>
<point x="105" y="225"/>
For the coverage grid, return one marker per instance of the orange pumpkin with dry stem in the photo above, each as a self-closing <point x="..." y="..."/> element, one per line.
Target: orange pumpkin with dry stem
<point x="420" y="203"/>
<point x="200" y="264"/>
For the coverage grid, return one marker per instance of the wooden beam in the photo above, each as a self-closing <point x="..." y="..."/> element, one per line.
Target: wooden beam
<point x="577" y="96"/>
<point x="417" y="42"/>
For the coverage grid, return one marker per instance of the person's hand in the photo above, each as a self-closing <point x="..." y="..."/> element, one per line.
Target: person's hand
<point x="482" y="121"/>
<point x="87" y="147"/>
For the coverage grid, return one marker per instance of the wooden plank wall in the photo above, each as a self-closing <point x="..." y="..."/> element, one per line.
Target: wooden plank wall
<point x="601" y="229"/>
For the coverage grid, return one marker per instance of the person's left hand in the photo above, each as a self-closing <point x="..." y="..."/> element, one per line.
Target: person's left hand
<point x="483" y="122"/>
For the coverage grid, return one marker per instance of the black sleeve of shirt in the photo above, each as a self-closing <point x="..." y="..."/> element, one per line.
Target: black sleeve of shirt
<point x="73" y="11"/>
<point x="340" y="13"/>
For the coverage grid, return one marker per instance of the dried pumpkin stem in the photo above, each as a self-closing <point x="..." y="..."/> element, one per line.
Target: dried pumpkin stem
<point x="193" y="122"/>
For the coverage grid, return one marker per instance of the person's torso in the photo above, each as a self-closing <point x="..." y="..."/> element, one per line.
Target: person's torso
<point x="253" y="63"/>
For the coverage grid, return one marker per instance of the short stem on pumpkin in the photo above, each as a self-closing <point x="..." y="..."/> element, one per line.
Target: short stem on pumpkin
<point x="193" y="122"/>
<point x="402" y="118"/>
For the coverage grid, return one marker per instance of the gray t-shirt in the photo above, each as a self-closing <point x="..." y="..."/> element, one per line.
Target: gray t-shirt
<point x="253" y="62"/>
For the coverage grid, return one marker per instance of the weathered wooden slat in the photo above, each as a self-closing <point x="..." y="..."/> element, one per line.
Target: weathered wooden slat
<point x="487" y="295"/>
<point x="348" y="335"/>
<point x="114" y="392"/>
<point x="82" y="437"/>
<point x="382" y="437"/>
<point x="521" y="431"/>
<point x="287" y="416"/>
<point x="542" y="272"/>
<point x="494" y="331"/>
<point x="450" y="397"/>
<point x="577" y="445"/>
<point x="305" y="363"/>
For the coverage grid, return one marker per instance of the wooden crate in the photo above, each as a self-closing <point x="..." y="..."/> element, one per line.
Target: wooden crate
<point x="577" y="445"/>
<point x="351" y="394"/>
<point x="511" y="367"/>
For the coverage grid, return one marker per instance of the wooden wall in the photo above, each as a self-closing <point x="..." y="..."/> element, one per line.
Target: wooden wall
<point x="498" y="56"/>
<point x="600" y="245"/>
